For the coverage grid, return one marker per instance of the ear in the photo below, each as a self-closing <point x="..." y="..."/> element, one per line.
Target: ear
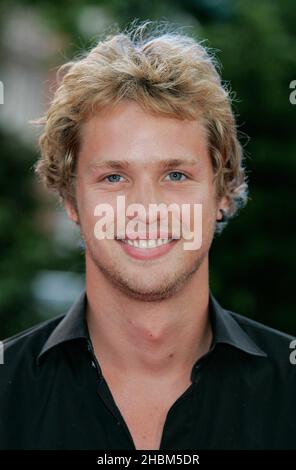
<point x="222" y="206"/>
<point x="71" y="211"/>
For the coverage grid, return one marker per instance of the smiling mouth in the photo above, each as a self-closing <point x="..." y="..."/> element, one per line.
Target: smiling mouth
<point x="147" y="244"/>
<point x="147" y="249"/>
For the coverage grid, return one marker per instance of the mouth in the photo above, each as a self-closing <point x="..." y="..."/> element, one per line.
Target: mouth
<point x="147" y="244"/>
<point x="147" y="249"/>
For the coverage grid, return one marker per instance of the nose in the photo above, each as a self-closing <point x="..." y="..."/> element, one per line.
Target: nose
<point x="144" y="193"/>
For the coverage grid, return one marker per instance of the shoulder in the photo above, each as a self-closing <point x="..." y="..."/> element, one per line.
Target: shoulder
<point x="268" y="337"/>
<point x="280" y="347"/>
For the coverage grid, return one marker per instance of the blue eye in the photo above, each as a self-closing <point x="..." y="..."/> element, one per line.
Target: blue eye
<point x="113" y="178"/>
<point x="176" y="176"/>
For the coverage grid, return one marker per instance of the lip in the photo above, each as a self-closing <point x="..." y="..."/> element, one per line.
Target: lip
<point x="147" y="253"/>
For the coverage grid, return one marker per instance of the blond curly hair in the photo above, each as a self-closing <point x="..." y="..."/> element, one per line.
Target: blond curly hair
<point x="165" y="71"/>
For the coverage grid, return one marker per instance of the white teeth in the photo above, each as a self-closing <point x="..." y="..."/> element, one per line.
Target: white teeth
<point x="148" y="243"/>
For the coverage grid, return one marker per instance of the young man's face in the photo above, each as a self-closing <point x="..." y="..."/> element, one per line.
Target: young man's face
<point x="140" y="143"/>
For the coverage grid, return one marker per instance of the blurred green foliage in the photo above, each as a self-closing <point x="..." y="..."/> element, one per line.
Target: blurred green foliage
<point x="252" y="262"/>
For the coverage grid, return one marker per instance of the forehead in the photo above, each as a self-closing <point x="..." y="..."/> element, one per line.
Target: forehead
<point x="128" y="132"/>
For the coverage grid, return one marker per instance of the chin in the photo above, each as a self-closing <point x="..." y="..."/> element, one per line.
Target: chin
<point x="148" y="294"/>
<point x="149" y="281"/>
<point x="155" y="286"/>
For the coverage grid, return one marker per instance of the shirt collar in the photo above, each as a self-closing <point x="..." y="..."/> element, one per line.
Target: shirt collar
<point x="72" y="326"/>
<point x="225" y="328"/>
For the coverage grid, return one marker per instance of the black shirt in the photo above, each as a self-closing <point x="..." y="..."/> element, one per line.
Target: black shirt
<point x="242" y="396"/>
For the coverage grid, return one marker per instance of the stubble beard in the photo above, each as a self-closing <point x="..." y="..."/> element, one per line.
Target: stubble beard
<point x="169" y="284"/>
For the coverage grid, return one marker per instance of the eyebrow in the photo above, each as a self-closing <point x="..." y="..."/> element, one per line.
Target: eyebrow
<point x="176" y="162"/>
<point x="113" y="164"/>
<point x="165" y="164"/>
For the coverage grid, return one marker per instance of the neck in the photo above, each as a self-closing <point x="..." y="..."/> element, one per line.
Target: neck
<point x="149" y="338"/>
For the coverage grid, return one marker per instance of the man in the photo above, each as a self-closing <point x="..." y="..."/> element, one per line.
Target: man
<point x="146" y="358"/>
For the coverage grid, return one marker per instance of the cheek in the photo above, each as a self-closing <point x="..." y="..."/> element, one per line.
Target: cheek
<point x="86" y="202"/>
<point x="196" y="210"/>
<point x="98" y="215"/>
<point x="203" y="195"/>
